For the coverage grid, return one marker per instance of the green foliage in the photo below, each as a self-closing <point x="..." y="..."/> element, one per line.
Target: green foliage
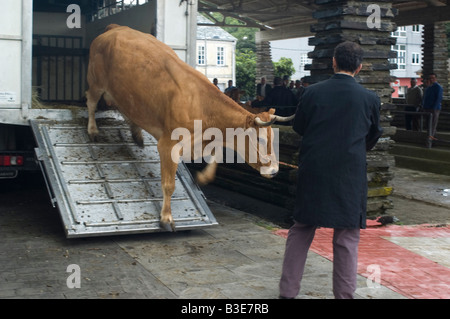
<point x="245" y="71"/>
<point x="284" y="67"/>
<point x="245" y="58"/>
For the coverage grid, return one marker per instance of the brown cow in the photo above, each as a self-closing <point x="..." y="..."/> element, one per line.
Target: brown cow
<point x="158" y="92"/>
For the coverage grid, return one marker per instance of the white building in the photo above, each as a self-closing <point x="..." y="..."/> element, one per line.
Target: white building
<point x="216" y="53"/>
<point x="409" y="57"/>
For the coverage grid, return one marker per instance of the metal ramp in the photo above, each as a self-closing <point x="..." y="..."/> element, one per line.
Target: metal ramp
<point x="112" y="186"/>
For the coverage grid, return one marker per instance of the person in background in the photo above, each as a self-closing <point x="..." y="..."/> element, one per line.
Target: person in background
<point x="230" y="86"/>
<point x="215" y="82"/>
<point x="262" y="89"/>
<point x="414" y="96"/>
<point x="279" y="96"/>
<point x="298" y="89"/>
<point x="432" y="100"/>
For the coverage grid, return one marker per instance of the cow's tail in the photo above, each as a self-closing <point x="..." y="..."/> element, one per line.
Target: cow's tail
<point x="111" y="26"/>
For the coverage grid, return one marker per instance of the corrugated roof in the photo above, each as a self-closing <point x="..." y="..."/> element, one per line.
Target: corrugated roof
<point x="270" y="15"/>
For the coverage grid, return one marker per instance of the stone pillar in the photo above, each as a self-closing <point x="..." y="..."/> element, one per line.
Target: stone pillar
<point x="435" y="54"/>
<point x="264" y="65"/>
<point x="339" y="21"/>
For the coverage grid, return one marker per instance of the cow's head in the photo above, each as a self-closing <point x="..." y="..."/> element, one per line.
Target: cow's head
<point x="260" y="150"/>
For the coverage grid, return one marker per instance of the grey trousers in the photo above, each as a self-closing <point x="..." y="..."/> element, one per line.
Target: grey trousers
<point x="435" y="120"/>
<point x="345" y="260"/>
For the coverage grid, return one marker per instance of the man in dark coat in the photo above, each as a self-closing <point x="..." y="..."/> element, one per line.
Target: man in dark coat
<point x="432" y="100"/>
<point x="279" y="95"/>
<point x="262" y="89"/>
<point x="339" y="122"/>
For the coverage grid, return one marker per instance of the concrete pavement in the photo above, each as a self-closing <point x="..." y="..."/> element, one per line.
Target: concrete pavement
<point x="239" y="258"/>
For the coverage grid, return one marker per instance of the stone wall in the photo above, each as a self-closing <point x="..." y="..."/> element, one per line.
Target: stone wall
<point x="435" y="54"/>
<point x="340" y="21"/>
<point x="264" y="64"/>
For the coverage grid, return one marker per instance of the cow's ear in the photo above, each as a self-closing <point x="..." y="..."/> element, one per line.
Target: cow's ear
<point x="250" y="121"/>
<point x="271" y="111"/>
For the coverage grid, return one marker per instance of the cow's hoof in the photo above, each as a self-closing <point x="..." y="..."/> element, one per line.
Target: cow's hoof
<point x="93" y="137"/>
<point x="167" y="226"/>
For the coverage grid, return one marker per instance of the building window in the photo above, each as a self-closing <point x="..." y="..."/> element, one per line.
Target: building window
<point x="401" y="56"/>
<point x="416" y="28"/>
<point x="304" y="60"/>
<point x="220" y="56"/>
<point x="399" y="33"/>
<point x="201" y="55"/>
<point x="415" y="58"/>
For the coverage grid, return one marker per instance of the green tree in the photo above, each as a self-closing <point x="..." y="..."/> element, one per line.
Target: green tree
<point x="283" y="67"/>
<point x="245" y="53"/>
<point x="245" y="71"/>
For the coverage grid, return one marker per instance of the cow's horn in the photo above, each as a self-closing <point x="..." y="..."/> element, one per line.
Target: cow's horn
<point x="273" y="119"/>
<point x="284" y="119"/>
<point x="260" y="122"/>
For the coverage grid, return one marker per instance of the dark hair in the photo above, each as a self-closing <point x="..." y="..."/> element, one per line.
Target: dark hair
<point x="277" y="81"/>
<point x="349" y="56"/>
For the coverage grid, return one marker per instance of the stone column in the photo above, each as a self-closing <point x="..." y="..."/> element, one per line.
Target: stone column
<point x="339" y="21"/>
<point x="264" y="65"/>
<point x="435" y="54"/>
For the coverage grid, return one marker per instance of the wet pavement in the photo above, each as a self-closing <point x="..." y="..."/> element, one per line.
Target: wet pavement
<point x="240" y="258"/>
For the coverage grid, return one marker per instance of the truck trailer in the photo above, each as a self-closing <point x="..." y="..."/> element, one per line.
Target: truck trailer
<point x="104" y="187"/>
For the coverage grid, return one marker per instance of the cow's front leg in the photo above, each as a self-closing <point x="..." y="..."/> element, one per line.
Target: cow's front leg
<point x="168" y="172"/>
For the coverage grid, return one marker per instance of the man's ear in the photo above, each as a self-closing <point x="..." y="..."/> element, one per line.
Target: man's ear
<point x="358" y="69"/>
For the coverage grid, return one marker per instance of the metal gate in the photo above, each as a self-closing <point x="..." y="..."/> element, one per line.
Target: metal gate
<point x="112" y="186"/>
<point x="59" y="67"/>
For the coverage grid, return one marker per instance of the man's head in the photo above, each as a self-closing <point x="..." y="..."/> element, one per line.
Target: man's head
<point x="277" y="81"/>
<point x="432" y="78"/>
<point x="348" y="57"/>
<point x="263" y="80"/>
<point x="413" y="82"/>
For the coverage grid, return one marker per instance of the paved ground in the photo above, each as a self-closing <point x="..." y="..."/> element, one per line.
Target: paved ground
<point x="240" y="258"/>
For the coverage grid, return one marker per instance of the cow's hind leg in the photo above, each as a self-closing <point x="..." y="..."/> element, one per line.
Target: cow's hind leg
<point x="93" y="96"/>
<point x="136" y="134"/>
<point x="207" y="175"/>
<point x="168" y="172"/>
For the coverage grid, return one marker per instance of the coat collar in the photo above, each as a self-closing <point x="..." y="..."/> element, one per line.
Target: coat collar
<point x="341" y="76"/>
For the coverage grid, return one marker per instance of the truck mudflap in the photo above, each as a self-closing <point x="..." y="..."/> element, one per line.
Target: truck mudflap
<point x="112" y="186"/>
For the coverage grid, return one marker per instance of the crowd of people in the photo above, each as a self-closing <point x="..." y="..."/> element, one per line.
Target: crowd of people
<point x="283" y="95"/>
<point x="426" y="97"/>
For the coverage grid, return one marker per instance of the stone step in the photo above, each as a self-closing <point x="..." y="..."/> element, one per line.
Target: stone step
<point x="420" y="138"/>
<point x="422" y="164"/>
<point x="439" y="154"/>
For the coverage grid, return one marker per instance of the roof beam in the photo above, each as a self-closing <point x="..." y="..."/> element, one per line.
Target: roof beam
<point x="423" y="16"/>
